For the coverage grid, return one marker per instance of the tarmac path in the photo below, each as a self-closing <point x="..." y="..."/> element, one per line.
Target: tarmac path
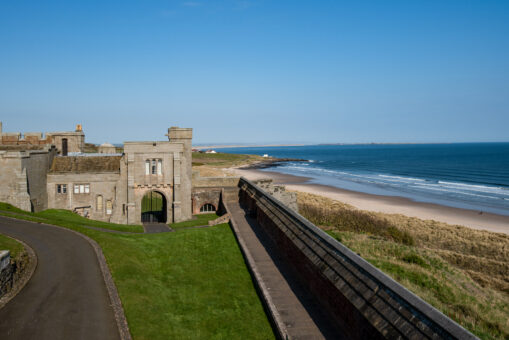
<point x="66" y="298"/>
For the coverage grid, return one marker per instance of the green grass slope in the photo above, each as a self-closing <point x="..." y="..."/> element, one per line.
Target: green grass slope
<point x="189" y="284"/>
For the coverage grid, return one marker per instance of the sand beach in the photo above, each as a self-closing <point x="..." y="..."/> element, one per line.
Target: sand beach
<point x="385" y="204"/>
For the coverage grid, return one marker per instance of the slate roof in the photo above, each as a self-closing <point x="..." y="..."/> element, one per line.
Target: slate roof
<point x="86" y="164"/>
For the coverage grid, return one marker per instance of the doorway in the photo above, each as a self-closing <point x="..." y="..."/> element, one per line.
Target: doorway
<point x="153" y="207"/>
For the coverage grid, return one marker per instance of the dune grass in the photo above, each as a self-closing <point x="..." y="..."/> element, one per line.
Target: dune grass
<point x="191" y="284"/>
<point x="462" y="272"/>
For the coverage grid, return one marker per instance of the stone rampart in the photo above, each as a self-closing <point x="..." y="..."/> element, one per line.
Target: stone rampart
<point x="356" y="296"/>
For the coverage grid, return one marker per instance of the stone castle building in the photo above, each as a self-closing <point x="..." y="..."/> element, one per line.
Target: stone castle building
<point x="53" y="172"/>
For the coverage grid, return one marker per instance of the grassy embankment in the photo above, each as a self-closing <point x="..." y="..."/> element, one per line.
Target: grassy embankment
<point x="462" y="272"/>
<point x="189" y="284"/>
<point x="214" y="164"/>
<point x="199" y="220"/>
<point x="15" y="248"/>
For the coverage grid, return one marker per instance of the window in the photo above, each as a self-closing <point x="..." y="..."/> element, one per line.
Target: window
<point x="207" y="208"/>
<point x="154" y="167"/>
<point x="154" y="170"/>
<point x="81" y="188"/>
<point x="109" y="207"/>
<point x="99" y="203"/>
<point x="61" y="188"/>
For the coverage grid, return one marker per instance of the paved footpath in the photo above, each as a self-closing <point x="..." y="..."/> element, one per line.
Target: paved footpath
<point x="66" y="298"/>
<point x="300" y="315"/>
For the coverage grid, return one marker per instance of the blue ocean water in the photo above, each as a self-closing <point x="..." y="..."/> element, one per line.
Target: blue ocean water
<point x="464" y="175"/>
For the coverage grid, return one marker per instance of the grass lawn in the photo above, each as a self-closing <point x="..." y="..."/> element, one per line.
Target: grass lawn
<point x="190" y="284"/>
<point x="200" y="219"/>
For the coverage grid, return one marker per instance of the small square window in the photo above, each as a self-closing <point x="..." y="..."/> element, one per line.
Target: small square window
<point x="61" y="188"/>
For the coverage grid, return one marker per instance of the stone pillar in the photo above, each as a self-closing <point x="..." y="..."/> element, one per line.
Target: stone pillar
<point x="182" y="164"/>
<point x="132" y="216"/>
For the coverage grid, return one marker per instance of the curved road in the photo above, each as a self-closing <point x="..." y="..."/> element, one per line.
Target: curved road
<point x="66" y="298"/>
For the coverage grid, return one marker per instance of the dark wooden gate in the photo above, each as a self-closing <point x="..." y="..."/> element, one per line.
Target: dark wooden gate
<point x="153" y="208"/>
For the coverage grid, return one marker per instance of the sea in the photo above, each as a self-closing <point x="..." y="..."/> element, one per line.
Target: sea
<point x="464" y="175"/>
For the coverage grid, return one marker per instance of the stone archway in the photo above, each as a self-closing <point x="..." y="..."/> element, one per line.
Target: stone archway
<point x="153" y="207"/>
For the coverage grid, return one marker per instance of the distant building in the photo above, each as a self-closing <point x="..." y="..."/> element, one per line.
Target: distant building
<point x="107" y="148"/>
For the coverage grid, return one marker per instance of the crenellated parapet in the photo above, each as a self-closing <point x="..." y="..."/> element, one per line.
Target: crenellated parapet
<point x="73" y="141"/>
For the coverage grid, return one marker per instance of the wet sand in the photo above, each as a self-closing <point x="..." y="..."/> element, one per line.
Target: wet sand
<point x="387" y="204"/>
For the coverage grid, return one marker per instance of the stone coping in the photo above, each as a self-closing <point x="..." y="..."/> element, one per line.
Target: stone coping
<point x="5" y="259"/>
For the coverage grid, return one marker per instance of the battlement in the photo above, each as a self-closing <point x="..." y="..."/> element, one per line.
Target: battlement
<point x="74" y="141"/>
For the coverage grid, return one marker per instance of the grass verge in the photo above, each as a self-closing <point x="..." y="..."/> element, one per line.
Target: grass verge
<point x="15" y="248"/>
<point x="189" y="285"/>
<point x="200" y="219"/>
<point x="66" y="217"/>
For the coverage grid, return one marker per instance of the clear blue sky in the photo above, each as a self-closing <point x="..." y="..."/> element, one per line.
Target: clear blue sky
<point x="258" y="71"/>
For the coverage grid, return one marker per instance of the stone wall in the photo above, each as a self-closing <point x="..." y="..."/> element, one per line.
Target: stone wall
<point x="6" y="272"/>
<point x="360" y="299"/>
<point x="23" y="178"/>
<point x="37" y="167"/>
<point x="208" y="190"/>
<point x="86" y="204"/>
<point x="279" y="192"/>
<point x="202" y="196"/>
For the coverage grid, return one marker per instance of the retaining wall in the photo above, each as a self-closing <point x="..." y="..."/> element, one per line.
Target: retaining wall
<point x="361" y="300"/>
<point x="6" y="272"/>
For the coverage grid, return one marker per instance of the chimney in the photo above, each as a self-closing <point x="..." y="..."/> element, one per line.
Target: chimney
<point x="79" y="128"/>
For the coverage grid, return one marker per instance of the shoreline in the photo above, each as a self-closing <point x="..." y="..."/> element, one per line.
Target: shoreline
<point x="386" y="204"/>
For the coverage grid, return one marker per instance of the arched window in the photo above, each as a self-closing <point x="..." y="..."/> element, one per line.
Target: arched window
<point x="99" y="203"/>
<point x="207" y="208"/>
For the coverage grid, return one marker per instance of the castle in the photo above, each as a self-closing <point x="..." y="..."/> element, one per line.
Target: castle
<point x="53" y="172"/>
